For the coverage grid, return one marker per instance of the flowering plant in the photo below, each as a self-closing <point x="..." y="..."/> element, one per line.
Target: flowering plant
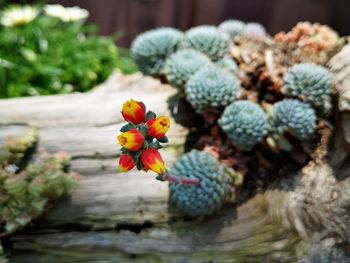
<point x="141" y="139"/>
<point x="53" y="50"/>
<point x="66" y="14"/>
<point x="17" y="15"/>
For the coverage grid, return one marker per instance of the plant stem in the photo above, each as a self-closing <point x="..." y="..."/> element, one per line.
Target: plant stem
<point x="180" y="180"/>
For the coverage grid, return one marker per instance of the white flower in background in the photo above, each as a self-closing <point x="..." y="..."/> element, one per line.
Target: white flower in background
<point x="66" y="14"/>
<point x="18" y="15"/>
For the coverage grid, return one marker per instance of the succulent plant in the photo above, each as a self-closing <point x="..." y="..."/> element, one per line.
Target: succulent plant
<point x="17" y="148"/>
<point x="216" y="184"/>
<point x="232" y="27"/>
<point x="228" y="64"/>
<point x="311" y="83"/>
<point x="254" y="31"/>
<point x="293" y="116"/>
<point x="311" y="37"/>
<point x="182" y="65"/>
<point x="151" y="49"/>
<point x="208" y="40"/>
<point x="245" y="123"/>
<point x="24" y="193"/>
<point x="211" y="87"/>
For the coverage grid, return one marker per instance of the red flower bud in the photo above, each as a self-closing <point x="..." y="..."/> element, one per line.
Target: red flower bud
<point x="134" y="112"/>
<point x="131" y="140"/>
<point x="126" y="163"/>
<point x="158" y="127"/>
<point x="152" y="160"/>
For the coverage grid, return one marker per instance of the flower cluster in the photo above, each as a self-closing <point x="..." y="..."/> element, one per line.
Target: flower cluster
<point x="66" y="14"/>
<point x="18" y="15"/>
<point x="141" y="138"/>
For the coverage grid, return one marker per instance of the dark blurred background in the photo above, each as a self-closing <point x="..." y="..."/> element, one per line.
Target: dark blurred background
<point x="135" y="16"/>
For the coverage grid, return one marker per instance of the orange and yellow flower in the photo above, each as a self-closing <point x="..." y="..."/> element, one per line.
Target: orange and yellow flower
<point x="134" y="112"/>
<point x="126" y="163"/>
<point x="152" y="160"/>
<point x="158" y="127"/>
<point x="132" y="140"/>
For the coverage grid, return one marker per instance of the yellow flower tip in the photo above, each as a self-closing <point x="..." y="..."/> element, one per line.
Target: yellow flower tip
<point x="123" y="169"/>
<point x="164" y="121"/>
<point x="123" y="140"/>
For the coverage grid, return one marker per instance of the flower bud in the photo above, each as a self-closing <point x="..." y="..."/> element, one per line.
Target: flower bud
<point x="126" y="163"/>
<point x="158" y="127"/>
<point x="134" y="112"/>
<point x="152" y="160"/>
<point x="131" y="140"/>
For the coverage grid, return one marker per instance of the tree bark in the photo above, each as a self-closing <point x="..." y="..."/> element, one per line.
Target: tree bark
<point x="117" y="217"/>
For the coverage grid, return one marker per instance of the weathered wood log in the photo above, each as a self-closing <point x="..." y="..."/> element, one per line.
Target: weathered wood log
<point x="116" y="217"/>
<point x="341" y="71"/>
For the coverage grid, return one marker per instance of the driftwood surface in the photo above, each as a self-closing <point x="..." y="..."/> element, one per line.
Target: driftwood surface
<point x="117" y="217"/>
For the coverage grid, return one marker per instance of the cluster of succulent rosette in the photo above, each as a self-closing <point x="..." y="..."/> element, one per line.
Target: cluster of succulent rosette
<point x="199" y="63"/>
<point x="200" y="67"/>
<point x="29" y="184"/>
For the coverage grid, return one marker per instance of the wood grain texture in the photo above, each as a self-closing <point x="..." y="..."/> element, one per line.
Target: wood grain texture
<point x="116" y="217"/>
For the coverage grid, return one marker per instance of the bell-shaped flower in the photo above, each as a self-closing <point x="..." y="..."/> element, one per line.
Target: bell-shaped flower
<point x="132" y="140"/>
<point x="126" y="163"/>
<point x="134" y="112"/>
<point x="152" y="160"/>
<point x="158" y="127"/>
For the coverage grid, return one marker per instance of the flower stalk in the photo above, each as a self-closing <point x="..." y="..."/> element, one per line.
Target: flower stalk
<point x="178" y="180"/>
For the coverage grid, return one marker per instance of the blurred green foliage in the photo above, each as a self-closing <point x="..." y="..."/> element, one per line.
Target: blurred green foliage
<point x="49" y="56"/>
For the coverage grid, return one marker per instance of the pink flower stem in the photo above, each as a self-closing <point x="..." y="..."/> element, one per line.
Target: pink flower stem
<point x="180" y="180"/>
